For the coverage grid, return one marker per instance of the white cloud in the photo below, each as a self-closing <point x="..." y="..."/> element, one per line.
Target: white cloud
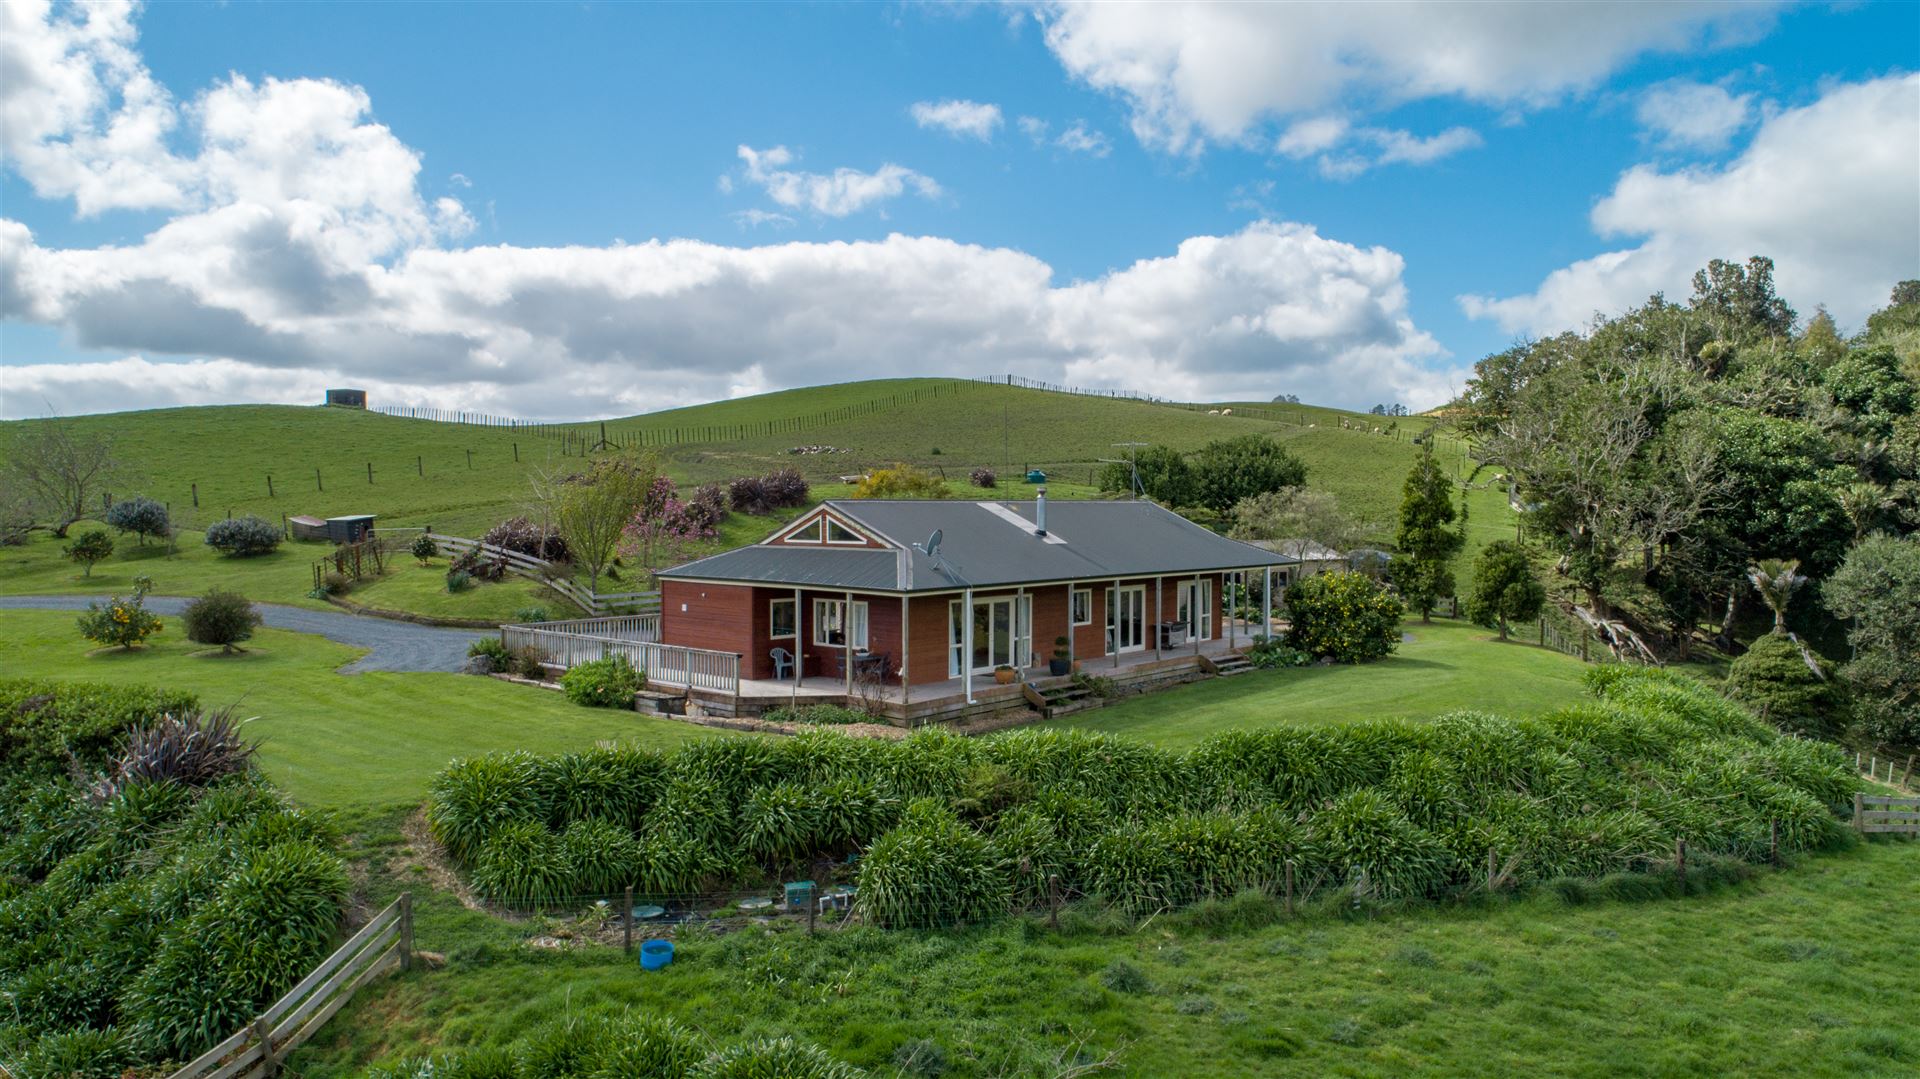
<point x="1827" y="190"/>
<point x="754" y="218"/>
<point x="1199" y="73"/>
<point x="1694" y="115"/>
<point x="1081" y="139"/>
<point x="1034" y="128"/>
<point x="305" y="255"/>
<point x="1344" y="151"/>
<point x="966" y="119"/>
<point x="836" y="194"/>
<point x="459" y="179"/>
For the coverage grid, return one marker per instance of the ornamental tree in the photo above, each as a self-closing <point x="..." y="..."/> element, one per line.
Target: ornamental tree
<point x="1504" y="588"/>
<point x="222" y="618"/>
<point x="141" y="516"/>
<point x="122" y="622"/>
<point x="1423" y="572"/>
<point x="88" y="548"/>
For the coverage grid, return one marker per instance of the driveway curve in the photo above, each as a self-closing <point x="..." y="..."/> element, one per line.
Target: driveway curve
<point x="393" y="646"/>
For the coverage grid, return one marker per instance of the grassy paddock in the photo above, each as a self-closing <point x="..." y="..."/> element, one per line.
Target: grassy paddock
<point x="1448" y="665"/>
<point x="333" y="739"/>
<point x="1797" y="973"/>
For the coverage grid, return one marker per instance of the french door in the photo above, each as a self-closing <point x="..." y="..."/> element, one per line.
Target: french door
<point x="1196" y="616"/>
<point x="1002" y="635"/>
<point x="1126" y="619"/>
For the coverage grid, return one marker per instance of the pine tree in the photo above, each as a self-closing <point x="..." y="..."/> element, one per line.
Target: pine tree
<point x="1423" y="567"/>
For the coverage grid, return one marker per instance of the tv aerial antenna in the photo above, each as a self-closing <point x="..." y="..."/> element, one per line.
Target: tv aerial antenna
<point x="1132" y="461"/>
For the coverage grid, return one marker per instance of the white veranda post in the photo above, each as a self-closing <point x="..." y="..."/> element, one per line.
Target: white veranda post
<point x="966" y="644"/>
<point x="1266" y="604"/>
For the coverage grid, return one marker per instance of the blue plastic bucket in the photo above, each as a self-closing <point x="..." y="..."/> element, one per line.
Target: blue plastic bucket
<point x="655" y="954"/>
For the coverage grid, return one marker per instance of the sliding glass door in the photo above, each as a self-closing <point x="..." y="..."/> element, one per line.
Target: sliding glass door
<point x="1126" y="619"/>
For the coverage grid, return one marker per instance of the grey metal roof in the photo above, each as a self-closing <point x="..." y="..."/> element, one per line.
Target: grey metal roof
<point x="992" y="544"/>
<point x="813" y="567"/>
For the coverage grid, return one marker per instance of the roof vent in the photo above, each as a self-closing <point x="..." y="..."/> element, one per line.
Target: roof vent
<point x="1040" y="512"/>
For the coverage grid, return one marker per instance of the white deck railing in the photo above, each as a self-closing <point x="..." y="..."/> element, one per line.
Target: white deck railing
<point x="664" y="664"/>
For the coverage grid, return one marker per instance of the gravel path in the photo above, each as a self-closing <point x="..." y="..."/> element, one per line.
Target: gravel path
<point x="396" y="646"/>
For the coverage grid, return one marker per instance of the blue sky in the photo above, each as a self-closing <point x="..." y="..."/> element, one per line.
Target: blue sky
<point x="458" y="205"/>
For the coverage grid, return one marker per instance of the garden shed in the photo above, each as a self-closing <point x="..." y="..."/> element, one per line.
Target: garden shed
<point x="350" y="529"/>
<point x="307" y="528"/>
<point x="347" y="398"/>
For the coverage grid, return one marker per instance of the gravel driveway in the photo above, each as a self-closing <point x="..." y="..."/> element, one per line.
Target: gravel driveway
<point x="396" y="646"/>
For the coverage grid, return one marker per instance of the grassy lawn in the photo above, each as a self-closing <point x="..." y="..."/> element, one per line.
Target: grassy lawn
<point x="1449" y="665"/>
<point x="336" y="739"/>
<point x="410" y="586"/>
<point x="1795" y="973"/>
<point x="38" y="567"/>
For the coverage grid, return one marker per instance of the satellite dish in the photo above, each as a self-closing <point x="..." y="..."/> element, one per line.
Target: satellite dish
<point x="933" y="541"/>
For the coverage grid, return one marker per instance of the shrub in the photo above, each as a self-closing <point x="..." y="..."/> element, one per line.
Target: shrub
<point x="748" y="494"/>
<point x="88" y="548"/>
<point x="1776" y="680"/>
<point x="603" y="683"/>
<point x="1230" y="469"/>
<point x="523" y="864"/>
<point x="459" y="580"/>
<point x="785" y="488"/>
<point x="901" y="481"/>
<point x="820" y="714"/>
<point x="931" y="870"/>
<point x="474" y="797"/>
<point x="778" y="1058"/>
<point x="529" y="663"/>
<point x="243" y="537"/>
<point x="123" y="622"/>
<point x="708" y="507"/>
<point x="193" y="748"/>
<point x="141" y="516"/>
<point x="1504" y="588"/>
<point x="530" y="614"/>
<point x="423" y="548"/>
<point x="336" y="584"/>
<point x="983" y="477"/>
<point x="42" y="721"/>
<point x="524" y="536"/>
<point x="1346" y="616"/>
<point x="478" y="565"/>
<point x="1272" y="652"/>
<point x="219" y="617"/>
<point x="499" y="656"/>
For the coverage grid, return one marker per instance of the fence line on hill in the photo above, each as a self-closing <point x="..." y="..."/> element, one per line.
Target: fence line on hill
<point x="257" y="1049"/>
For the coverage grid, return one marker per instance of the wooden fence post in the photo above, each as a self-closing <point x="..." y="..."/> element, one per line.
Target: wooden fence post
<point x="406" y="930"/>
<point x="269" y="485"/>
<point x="1680" y="859"/>
<point x="196" y="495"/>
<point x="317" y="484"/>
<point x="1773" y="842"/>
<point x="1289" y="892"/>
<point x="813" y="910"/>
<point x="263" y="1034"/>
<point x="1585" y="636"/>
<point x="1490" y="869"/>
<point x="626" y="922"/>
<point x="369" y="471"/>
<point x="1859" y="811"/>
<point x="1053" y="900"/>
<point x="469" y="460"/>
<point x="420" y="464"/>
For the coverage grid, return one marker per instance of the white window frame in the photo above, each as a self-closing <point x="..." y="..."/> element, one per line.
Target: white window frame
<point x="827" y="618"/>
<point x="854" y="539"/>
<point x="773" y="623"/>
<point x="815" y="526"/>
<point x="1073" y="602"/>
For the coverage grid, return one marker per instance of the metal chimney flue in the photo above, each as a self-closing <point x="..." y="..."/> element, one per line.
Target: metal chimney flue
<point x="1040" y="512"/>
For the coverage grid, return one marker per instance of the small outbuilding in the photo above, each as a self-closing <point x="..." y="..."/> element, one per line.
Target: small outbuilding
<point x="307" y="528"/>
<point x="347" y="398"/>
<point x="350" y="529"/>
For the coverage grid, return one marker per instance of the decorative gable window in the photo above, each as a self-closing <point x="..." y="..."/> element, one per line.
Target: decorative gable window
<point x="839" y="533"/>
<point x="807" y="533"/>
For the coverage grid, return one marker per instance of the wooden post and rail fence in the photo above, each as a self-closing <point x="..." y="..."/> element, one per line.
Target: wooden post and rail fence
<point x="546" y="573"/>
<point x="256" y="1050"/>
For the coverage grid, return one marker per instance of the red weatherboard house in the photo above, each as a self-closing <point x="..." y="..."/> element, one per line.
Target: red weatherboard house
<point x="915" y="605"/>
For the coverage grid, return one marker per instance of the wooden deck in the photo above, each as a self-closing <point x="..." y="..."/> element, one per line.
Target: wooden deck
<point x="947" y="701"/>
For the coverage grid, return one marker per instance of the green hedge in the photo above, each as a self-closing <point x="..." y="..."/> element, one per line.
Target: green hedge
<point x="955" y="828"/>
<point x="42" y="720"/>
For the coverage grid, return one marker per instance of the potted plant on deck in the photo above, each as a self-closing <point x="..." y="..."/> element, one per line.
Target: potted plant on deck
<point x="1004" y="674"/>
<point x="1062" y="661"/>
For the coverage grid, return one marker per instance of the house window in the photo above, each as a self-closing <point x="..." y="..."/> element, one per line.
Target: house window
<point x="839" y="533"/>
<point x="832" y="627"/>
<point x="780" y="614"/>
<point x="807" y="533"/>
<point x="1083" y="606"/>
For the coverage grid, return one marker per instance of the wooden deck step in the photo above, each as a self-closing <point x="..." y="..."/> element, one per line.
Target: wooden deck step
<point x="1232" y="665"/>
<point x="1058" y="700"/>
